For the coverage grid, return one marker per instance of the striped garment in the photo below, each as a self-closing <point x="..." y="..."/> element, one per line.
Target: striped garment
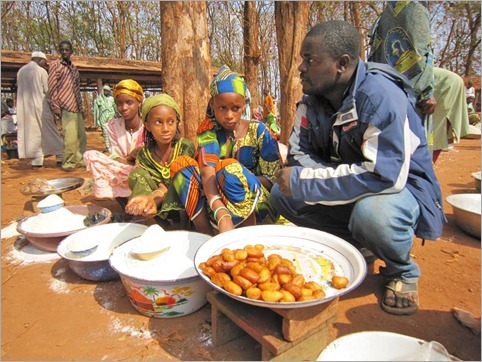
<point x="64" y="87"/>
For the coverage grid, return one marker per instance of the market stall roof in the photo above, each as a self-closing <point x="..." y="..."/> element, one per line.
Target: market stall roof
<point x="111" y="71"/>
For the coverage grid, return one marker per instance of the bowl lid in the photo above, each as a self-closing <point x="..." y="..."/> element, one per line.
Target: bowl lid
<point x="108" y="237"/>
<point x="174" y="264"/>
<point x="78" y="244"/>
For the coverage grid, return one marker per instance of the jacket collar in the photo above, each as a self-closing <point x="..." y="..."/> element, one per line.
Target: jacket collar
<point x="348" y="102"/>
<point x="349" y="98"/>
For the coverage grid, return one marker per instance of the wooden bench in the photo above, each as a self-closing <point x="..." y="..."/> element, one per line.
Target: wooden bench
<point x="284" y="334"/>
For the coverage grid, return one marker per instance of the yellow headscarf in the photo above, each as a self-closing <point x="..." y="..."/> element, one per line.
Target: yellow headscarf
<point x="129" y="87"/>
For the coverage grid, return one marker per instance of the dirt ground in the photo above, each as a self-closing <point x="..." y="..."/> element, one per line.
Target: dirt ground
<point x="49" y="313"/>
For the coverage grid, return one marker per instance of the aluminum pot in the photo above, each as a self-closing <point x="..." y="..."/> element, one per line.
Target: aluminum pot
<point x="476" y="176"/>
<point x="96" y="266"/>
<point x="467" y="211"/>
<point x="167" y="286"/>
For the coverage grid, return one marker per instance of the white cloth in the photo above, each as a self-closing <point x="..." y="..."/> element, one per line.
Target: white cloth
<point x="8" y="125"/>
<point x="37" y="134"/>
<point x="469" y="92"/>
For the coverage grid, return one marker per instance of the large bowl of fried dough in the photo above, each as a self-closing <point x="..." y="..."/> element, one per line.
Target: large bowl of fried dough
<point x="280" y="266"/>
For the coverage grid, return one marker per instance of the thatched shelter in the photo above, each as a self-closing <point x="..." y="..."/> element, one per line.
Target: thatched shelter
<point x="94" y="71"/>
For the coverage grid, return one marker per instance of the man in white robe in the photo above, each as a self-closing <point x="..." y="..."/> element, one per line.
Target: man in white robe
<point x="37" y="134"/>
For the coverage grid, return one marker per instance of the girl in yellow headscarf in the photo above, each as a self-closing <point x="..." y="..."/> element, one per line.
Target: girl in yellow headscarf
<point x="110" y="170"/>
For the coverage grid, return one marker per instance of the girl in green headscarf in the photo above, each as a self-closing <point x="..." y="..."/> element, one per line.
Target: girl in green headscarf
<point x="157" y="190"/>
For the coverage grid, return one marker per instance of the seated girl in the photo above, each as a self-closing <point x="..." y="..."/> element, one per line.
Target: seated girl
<point x="157" y="183"/>
<point x="236" y="160"/>
<point x="110" y="172"/>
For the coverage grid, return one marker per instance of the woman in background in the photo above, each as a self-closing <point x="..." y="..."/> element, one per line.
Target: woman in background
<point x="104" y="111"/>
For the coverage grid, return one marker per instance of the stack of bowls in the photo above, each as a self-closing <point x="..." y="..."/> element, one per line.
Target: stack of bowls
<point x="88" y="251"/>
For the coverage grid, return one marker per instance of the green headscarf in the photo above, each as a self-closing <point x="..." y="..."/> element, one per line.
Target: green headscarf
<point x="162" y="99"/>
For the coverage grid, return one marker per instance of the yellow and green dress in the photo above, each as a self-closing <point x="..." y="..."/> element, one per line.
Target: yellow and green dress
<point x="148" y="174"/>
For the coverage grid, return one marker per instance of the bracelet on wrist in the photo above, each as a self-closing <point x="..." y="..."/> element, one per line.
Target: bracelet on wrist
<point x="222" y="216"/>
<point x="160" y="192"/>
<point x="215" y="197"/>
<point x="219" y="209"/>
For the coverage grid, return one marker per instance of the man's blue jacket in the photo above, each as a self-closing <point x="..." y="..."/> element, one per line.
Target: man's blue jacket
<point x="375" y="143"/>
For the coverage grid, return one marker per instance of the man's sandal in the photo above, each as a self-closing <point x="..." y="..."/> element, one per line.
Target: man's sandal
<point x="400" y="298"/>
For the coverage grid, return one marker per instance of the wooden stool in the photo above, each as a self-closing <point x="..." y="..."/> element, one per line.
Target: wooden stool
<point x="284" y="334"/>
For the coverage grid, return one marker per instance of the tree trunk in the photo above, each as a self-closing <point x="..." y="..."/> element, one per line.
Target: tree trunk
<point x="186" y="61"/>
<point x="122" y="30"/>
<point x="88" y="117"/>
<point x="251" y="50"/>
<point x="290" y="18"/>
<point x="356" y="21"/>
<point x="474" y="25"/>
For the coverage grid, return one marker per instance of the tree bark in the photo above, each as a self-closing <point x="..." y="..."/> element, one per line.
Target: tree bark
<point x="355" y="13"/>
<point x="186" y="61"/>
<point x="88" y="118"/>
<point x="251" y="50"/>
<point x="474" y="26"/>
<point x="290" y="19"/>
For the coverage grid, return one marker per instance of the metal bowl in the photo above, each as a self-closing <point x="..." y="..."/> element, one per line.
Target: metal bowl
<point x="318" y="256"/>
<point x="466" y="209"/>
<point x="50" y="241"/>
<point x="383" y="346"/>
<point x="59" y="185"/>
<point x="96" y="266"/>
<point x="476" y="176"/>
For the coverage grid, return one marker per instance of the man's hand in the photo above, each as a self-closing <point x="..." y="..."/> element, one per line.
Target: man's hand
<point x="57" y="113"/>
<point x="428" y="105"/>
<point x="283" y="180"/>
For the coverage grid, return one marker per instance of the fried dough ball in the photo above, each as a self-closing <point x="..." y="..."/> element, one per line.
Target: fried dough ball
<point x="339" y="282"/>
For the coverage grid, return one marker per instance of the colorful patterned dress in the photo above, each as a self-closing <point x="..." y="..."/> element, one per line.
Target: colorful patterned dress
<point x="237" y="168"/>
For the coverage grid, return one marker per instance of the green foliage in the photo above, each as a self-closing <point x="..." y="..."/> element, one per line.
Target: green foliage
<point x="132" y="30"/>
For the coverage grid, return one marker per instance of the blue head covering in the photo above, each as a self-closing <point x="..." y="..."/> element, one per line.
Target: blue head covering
<point x="227" y="81"/>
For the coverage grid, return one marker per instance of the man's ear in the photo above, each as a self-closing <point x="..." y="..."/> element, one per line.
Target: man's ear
<point x="343" y="63"/>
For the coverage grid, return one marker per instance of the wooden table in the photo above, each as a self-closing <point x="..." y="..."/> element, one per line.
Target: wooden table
<point x="284" y="334"/>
